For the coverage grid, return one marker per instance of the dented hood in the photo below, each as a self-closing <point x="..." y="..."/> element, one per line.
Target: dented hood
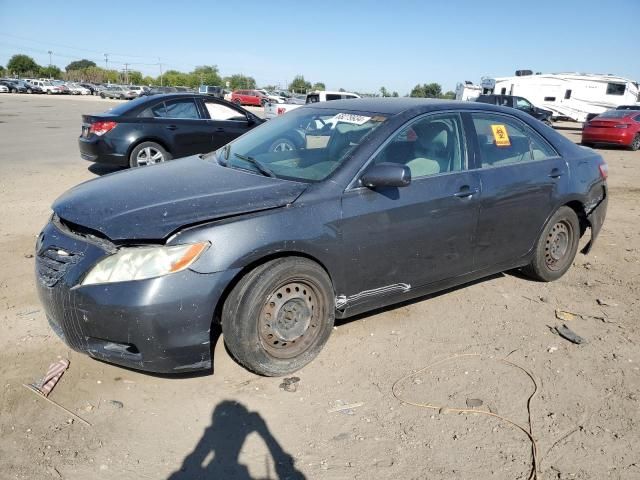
<point x="150" y="203"/>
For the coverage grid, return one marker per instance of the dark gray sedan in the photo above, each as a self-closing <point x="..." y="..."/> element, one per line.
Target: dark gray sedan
<point x="371" y="202"/>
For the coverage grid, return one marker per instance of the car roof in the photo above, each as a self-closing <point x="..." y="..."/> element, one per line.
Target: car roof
<point x="394" y="106"/>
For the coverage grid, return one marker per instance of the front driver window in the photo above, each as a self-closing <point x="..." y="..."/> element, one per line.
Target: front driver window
<point x="428" y="146"/>
<point x="523" y="104"/>
<point x="218" y="111"/>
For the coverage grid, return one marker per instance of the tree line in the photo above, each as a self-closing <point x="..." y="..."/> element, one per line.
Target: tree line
<point x="87" y="71"/>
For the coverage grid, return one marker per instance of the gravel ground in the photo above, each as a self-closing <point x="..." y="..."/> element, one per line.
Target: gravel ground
<point x="585" y="416"/>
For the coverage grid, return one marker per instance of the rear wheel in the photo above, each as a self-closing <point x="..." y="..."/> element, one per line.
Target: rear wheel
<point x="102" y="95"/>
<point x="29" y="91"/>
<point x="556" y="248"/>
<point x="148" y="153"/>
<point x="279" y="316"/>
<point x="635" y="145"/>
<point x="237" y="102"/>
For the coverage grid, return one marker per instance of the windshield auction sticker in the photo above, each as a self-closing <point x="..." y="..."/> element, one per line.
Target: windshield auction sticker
<point x="500" y="135"/>
<point x="351" y="118"/>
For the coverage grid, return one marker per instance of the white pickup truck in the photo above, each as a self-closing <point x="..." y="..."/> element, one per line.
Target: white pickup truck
<point x="273" y="109"/>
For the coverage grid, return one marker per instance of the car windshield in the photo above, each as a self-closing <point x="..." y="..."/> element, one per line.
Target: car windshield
<point x="306" y="145"/>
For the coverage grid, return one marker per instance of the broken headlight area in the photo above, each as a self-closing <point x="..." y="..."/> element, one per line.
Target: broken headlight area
<point x="140" y="263"/>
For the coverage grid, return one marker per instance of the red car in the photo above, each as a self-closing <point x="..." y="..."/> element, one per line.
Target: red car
<point x="614" y="127"/>
<point x="248" y="97"/>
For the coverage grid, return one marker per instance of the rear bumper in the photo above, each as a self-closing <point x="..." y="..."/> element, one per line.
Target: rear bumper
<point x="103" y="150"/>
<point x="596" y="213"/>
<point x="159" y="325"/>
<point x="610" y="136"/>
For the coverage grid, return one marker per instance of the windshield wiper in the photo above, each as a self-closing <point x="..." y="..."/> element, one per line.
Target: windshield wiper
<point x="259" y="165"/>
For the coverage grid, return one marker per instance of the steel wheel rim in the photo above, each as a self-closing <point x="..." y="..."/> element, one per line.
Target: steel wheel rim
<point x="149" y="156"/>
<point x="290" y="319"/>
<point x="558" y="245"/>
<point x="282" y="147"/>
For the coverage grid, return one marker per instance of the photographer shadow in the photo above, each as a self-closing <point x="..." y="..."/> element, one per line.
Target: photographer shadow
<point x="230" y="425"/>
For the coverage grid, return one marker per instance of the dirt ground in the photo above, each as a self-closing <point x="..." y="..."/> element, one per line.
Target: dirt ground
<point x="585" y="416"/>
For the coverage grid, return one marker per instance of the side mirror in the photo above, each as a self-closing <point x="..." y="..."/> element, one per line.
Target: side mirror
<point x="386" y="175"/>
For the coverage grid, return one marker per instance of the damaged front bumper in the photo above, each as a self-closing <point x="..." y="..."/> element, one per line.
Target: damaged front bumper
<point x="159" y="325"/>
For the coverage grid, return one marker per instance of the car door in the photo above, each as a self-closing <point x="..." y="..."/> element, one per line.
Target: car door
<point x="224" y="122"/>
<point x="522" y="177"/>
<point x="181" y="126"/>
<point x="401" y="238"/>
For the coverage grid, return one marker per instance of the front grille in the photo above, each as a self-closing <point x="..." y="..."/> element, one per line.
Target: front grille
<point x="52" y="263"/>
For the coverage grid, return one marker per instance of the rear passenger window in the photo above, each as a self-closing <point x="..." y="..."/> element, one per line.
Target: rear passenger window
<point x="157" y="111"/>
<point x="504" y="141"/>
<point x="333" y="96"/>
<point x="182" y="109"/>
<point x="428" y="146"/>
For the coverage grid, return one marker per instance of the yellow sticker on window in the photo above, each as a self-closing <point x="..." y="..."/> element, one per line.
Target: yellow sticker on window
<point x="501" y="136"/>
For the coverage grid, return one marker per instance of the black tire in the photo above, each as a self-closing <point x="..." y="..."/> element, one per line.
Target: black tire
<point x="14" y="90"/>
<point x="556" y="248"/>
<point x="238" y="102"/>
<point x="635" y="144"/>
<point x="121" y="97"/>
<point x="29" y="91"/>
<point x="262" y="334"/>
<point x="102" y="95"/>
<point x="587" y="144"/>
<point x="148" y="150"/>
<point x="48" y="92"/>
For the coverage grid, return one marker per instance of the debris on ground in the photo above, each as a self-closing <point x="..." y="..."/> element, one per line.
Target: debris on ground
<point x="605" y="303"/>
<point x="116" y="403"/>
<point x="344" y="408"/>
<point x="474" y="402"/>
<point x="566" y="316"/>
<point x="290" y="384"/>
<point x="568" y="334"/>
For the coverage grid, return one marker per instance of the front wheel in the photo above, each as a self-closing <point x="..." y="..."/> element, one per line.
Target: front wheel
<point x="635" y="145"/>
<point x="148" y="153"/>
<point x="279" y="316"/>
<point x="102" y="95"/>
<point x="29" y="91"/>
<point x="237" y="102"/>
<point x="556" y="248"/>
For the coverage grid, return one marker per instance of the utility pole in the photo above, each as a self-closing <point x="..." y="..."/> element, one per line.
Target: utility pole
<point x="106" y="61"/>
<point x="160" y="64"/>
<point x="50" y="53"/>
<point x="126" y="73"/>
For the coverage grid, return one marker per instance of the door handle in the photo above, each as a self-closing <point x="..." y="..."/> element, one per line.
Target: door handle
<point x="555" y="173"/>
<point x="171" y="127"/>
<point x="219" y="129"/>
<point x="466" y="191"/>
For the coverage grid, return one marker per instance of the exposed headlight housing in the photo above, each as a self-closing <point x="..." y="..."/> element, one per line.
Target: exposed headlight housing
<point x="140" y="263"/>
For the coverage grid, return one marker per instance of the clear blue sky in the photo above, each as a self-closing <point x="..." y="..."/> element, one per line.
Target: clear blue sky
<point x="356" y="45"/>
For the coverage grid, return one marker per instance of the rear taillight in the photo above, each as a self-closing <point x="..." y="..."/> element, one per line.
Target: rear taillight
<point x="604" y="170"/>
<point x="100" y="128"/>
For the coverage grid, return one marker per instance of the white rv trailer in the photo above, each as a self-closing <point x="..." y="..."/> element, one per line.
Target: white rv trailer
<point x="568" y="95"/>
<point x="468" y="91"/>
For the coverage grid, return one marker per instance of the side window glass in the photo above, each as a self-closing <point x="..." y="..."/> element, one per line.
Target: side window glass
<point x="185" y="109"/>
<point x="157" y="111"/>
<point x="333" y="96"/>
<point x="428" y="146"/>
<point x="222" y="112"/>
<point x="523" y="104"/>
<point x="504" y="141"/>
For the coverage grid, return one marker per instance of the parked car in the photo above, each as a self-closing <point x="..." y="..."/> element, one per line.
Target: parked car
<point x="629" y="107"/>
<point x="211" y="90"/>
<point x="273" y="109"/>
<point x="613" y="127"/>
<point x="63" y="88"/>
<point x="161" y="127"/>
<point x="26" y="86"/>
<point x="160" y="90"/>
<point x="46" y="86"/>
<point x="4" y="88"/>
<point x="390" y="199"/>
<point x="77" y="89"/>
<point x="13" y="86"/>
<point x="119" y="92"/>
<point x="137" y="89"/>
<point x="519" y="103"/>
<point x="249" y="97"/>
